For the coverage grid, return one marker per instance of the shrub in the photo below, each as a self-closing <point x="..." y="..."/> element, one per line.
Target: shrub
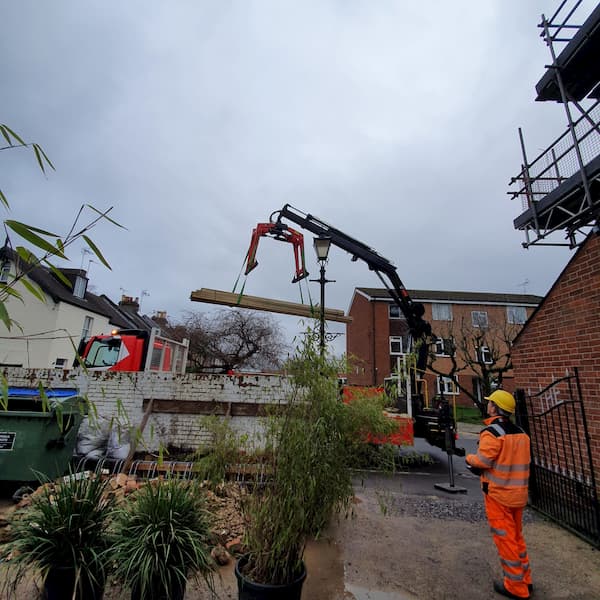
<point x="160" y="537"/>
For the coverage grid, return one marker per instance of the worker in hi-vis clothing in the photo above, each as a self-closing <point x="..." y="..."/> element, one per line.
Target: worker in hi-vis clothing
<point x="502" y="462"/>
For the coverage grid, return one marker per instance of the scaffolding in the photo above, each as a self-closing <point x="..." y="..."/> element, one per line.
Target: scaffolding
<point x="560" y="189"/>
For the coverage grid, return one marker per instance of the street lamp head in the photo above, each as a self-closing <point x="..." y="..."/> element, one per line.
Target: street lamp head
<point x="322" y="244"/>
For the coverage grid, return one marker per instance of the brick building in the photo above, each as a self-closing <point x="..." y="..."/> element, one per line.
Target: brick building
<point x="564" y="335"/>
<point x="377" y="338"/>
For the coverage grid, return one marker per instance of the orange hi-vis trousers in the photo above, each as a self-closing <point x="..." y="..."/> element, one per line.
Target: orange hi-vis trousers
<point x="506" y="524"/>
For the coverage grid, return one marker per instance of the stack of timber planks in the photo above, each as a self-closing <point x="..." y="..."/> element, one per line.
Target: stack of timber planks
<point x="277" y="306"/>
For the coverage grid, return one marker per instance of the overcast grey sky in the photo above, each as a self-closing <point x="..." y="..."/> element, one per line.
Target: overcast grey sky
<point x="396" y="122"/>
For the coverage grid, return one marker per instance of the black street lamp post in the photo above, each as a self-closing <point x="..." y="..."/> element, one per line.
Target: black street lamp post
<point x="322" y="244"/>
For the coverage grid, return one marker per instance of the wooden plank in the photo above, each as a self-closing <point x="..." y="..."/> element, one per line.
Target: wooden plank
<point x="194" y="407"/>
<point x="267" y="304"/>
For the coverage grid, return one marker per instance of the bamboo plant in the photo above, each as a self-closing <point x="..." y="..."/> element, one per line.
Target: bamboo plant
<point x="315" y="440"/>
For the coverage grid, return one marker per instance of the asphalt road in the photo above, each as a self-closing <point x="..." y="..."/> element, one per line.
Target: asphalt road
<point x="430" y="466"/>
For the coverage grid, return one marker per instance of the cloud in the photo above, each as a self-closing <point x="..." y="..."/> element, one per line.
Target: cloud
<point x="395" y="122"/>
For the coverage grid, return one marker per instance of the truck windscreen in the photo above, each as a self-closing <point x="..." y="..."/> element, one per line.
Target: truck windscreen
<point x="103" y="353"/>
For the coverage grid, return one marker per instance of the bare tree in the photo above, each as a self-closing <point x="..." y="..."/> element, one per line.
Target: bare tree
<point x="482" y="350"/>
<point x="231" y="339"/>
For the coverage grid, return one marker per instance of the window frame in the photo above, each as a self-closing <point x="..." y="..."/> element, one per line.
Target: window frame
<point x="400" y="315"/>
<point x="80" y="287"/>
<point x="510" y="313"/>
<point x="476" y="322"/>
<point x="435" y="306"/>
<point x="5" y="271"/>
<point x="448" y="391"/>
<point x="396" y="339"/>
<point x="442" y="341"/>
<point x="86" y="330"/>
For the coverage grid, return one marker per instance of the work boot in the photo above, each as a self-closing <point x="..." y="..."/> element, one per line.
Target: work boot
<point x="500" y="589"/>
<point x="530" y="588"/>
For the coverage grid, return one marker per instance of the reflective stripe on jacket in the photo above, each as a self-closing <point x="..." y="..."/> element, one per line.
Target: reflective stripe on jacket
<point x="503" y="457"/>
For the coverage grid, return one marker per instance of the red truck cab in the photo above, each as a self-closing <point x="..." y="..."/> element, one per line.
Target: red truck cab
<point x="127" y="350"/>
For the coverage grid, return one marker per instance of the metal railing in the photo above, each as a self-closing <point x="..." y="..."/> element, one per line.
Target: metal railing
<point x="559" y="161"/>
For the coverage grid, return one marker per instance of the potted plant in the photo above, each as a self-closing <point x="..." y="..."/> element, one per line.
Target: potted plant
<point x="160" y="538"/>
<point x="63" y="535"/>
<point x="313" y="442"/>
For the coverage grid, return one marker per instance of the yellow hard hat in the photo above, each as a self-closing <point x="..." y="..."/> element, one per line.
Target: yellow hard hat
<point x="502" y="399"/>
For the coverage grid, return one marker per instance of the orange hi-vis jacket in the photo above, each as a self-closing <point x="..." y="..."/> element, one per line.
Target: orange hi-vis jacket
<point x="503" y="457"/>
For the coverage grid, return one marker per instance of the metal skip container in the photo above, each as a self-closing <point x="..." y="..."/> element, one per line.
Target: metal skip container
<point x="38" y="432"/>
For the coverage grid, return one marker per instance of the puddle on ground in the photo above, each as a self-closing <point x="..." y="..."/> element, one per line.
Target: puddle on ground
<point x="325" y="579"/>
<point x="325" y="571"/>
<point x="363" y="594"/>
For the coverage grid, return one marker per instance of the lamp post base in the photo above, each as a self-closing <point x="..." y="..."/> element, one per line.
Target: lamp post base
<point x="448" y="487"/>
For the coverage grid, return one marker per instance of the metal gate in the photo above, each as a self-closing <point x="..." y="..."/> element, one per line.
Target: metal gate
<point x="562" y="483"/>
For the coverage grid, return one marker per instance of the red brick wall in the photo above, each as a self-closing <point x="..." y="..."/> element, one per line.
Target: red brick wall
<point x="460" y="312"/>
<point x="359" y="341"/>
<point x="565" y="333"/>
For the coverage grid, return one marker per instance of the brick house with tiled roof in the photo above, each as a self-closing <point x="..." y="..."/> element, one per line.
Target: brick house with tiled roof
<point x="377" y="336"/>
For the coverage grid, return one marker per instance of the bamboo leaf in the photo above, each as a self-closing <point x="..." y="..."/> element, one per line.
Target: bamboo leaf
<point x="3" y="200"/>
<point x="26" y="255"/>
<point x="26" y="232"/>
<point x="44" y="156"/>
<point x="38" y="230"/>
<point x="5" y="135"/>
<point x="34" y="289"/>
<point x="105" y="215"/>
<point x="7" y="132"/>
<point x="3" y="392"/>
<point x="96" y="250"/>
<point x="4" y="316"/>
<point x="10" y="291"/>
<point x="43" y="397"/>
<point x="38" y="157"/>
<point x="59" y="274"/>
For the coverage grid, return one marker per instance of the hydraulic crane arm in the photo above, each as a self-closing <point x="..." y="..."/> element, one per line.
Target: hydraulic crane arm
<point x="386" y="271"/>
<point x="437" y="426"/>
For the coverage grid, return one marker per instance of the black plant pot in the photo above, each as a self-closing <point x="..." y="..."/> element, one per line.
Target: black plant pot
<point x="158" y="592"/>
<point x="60" y="583"/>
<point x="250" y="590"/>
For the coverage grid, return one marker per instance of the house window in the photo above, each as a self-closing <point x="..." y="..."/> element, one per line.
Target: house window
<point x="4" y="272"/>
<point x="80" y="287"/>
<point x="441" y="312"/>
<point x="88" y="322"/>
<point x="395" y="312"/>
<point x="484" y="354"/>
<point x="60" y="363"/>
<point x="443" y="346"/>
<point x="447" y="386"/>
<point x="395" y="345"/>
<point x="517" y="315"/>
<point x="479" y="318"/>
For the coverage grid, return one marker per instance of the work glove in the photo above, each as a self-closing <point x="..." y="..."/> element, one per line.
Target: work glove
<point x="474" y="470"/>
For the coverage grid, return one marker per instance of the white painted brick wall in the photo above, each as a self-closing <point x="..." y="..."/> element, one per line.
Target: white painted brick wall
<point x="120" y="395"/>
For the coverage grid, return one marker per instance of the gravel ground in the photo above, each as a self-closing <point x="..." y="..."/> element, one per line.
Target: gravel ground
<point x="402" y="505"/>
